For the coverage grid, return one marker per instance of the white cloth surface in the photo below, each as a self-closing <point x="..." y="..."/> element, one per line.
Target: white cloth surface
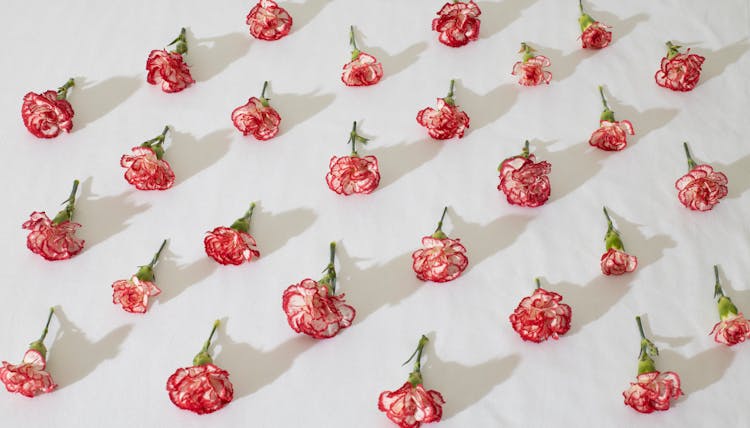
<point x="112" y="366"/>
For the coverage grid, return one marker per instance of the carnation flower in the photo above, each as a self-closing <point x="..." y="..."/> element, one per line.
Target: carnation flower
<point x="594" y="34"/>
<point x="611" y="135"/>
<point x="269" y="21"/>
<point x="445" y="122"/>
<point x="47" y="114"/>
<point x="352" y="174"/>
<point x="531" y="70"/>
<point x="363" y="69"/>
<point x="653" y="390"/>
<point x="203" y="387"/>
<point x="457" y="23"/>
<point x="146" y="168"/>
<point x="615" y="261"/>
<point x="257" y="117"/>
<point x="232" y="245"/>
<point x="29" y="378"/>
<point x="441" y="259"/>
<point x="541" y="316"/>
<point x="679" y="72"/>
<point x="412" y="405"/>
<point x="168" y="68"/>
<point x="55" y="239"/>
<point x="733" y="327"/>
<point x="524" y="181"/>
<point x="314" y="308"/>
<point x="702" y="187"/>
<point x="133" y="293"/>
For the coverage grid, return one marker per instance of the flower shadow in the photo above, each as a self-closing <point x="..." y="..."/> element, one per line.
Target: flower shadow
<point x="369" y="289"/>
<point x="95" y="99"/>
<point x="571" y="167"/>
<point x="252" y="368"/>
<point x="392" y="63"/>
<point x="741" y="298"/>
<point x="303" y="13"/>
<point x="738" y="173"/>
<point x="398" y="160"/>
<point x="593" y="300"/>
<point x="717" y="61"/>
<point x="211" y="55"/>
<point x="503" y="14"/>
<point x="487" y="108"/>
<point x="464" y="385"/>
<point x="643" y="122"/>
<point x="74" y="356"/>
<point x="105" y="216"/>
<point x="295" y="109"/>
<point x="189" y="155"/>
<point x="483" y="241"/>
<point x="620" y="27"/>
<point x="273" y="231"/>
<point x="648" y="250"/>
<point x="173" y="278"/>
<point x="562" y="66"/>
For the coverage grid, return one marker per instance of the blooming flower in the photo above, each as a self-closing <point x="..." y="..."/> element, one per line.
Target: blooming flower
<point x="594" y="34"/>
<point x="447" y="121"/>
<point x="615" y="261"/>
<point x="257" y="117"/>
<point x="612" y="136"/>
<point x="133" y="293"/>
<point x="653" y="390"/>
<point x="412" y="405"/>
<point x="363" y="69"/>
<point x="524" y="181"/>
<point x="702" y="187"/>
<point x="203" y="387"/>
<point x="352" y="174"/>
<point x="541" y="316"/>
<point x="168" y="68"/>
<point x="733" y="327"/>
<point x="29" y="378"/>
<point x="441" y="259"/>
<point x="146" y="170"/>
<point x="679" y="72"/>
<point x="232" y="245"/>
<point x="269" y="21"/>
<point x="457" y="23"/>
<point x="531" y="70"/>
<point x="314" y="308"/>
<point x="54" y="239"/>
<point x="47" y="114"/>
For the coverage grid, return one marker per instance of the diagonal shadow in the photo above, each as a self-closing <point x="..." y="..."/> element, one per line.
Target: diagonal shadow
<point x="571" y="167"/>
<point x="562" y="66"/>
<point x="252" y="368"/>
<point x="398" y="160"/>
<point x="465" y="385"/>
<point x="392" y="64"/>
<point x="105" y="216"/>
<point x="496" y="16"/>
<point x="717" y="61"/>
<point x="295" y="109"/>
<point x="483" y="241"/>
<point x="303" y="13"/>
<point x="487" y="108"/>
<point x="189" y="155"/>
<point x="648" y="250"/>
<point x="741" y="298"/>
<point x="97" y="99"/>
<point x="620" y="27"/>
<point x="73" y="356"/>
<point x="174" y="278"/>
<point x="273" y="231"/>
<point x="211" y="55"/>
<point x="643" y="122"/>
<point x="738" y="173"/>
<point x="593" y="300"/>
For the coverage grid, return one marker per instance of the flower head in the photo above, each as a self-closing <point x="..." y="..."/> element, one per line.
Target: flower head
<point x="363" y="69"/>
<point x="257" y="117"/>
<point x="679" y="72"/>
<point x="531" y="70"/>
<point x="541" y="316"/>
<point x="352" y="174"/>
<point x="54" y="239"/>
<point x="168" y="68"/>
<point x="524" y="181"/>
<point x="733" y="327"/>
<point x="457" y="23"/>
<point x="47" y="114"/>
<point x="146" y="170"/>
<point x="702" y="187"/>
<point x="29" y="378"/>
<point x="441" y="259"/>
<point x="412" y="405"/>
<point x="594" y="34"/>
<point x="269" y="21"/>
<point x="232" y="245"/>
<point x="615" y="261"/>
<point x="133" y="293"/>
<point x="445" y="122"/>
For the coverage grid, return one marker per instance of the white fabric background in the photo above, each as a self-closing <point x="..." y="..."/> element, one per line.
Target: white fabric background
<point x="112" y="366"/>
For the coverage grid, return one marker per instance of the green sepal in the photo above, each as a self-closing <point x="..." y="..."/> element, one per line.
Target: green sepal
<point x="38" y="346"/>
<point x="726" y="307"/>
<point x="585" y="20"/>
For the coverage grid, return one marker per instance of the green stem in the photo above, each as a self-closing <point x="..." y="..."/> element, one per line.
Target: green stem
<point x="66" y="214"/>
<point x="449" y="98"/>
<point x="538" y="283"/>
<point x="640" y="327"/>
<point x="208" y="341"/>
<point x="181" y="47"/>
<point x="329" y="279"/>
<point x="690" y="161"/>
<point x="263" y="92"/>
<point x="62" y="91"/>
<point x="580" y="6"/>
<point x="242" y="224"/>
<point x="353" y="43"/>
<point x="353" y="138"/>
<point x="203" y="357"/>
<point x="158" y="253"/>
<point x="440" y="223"/>
<point x="415" y="377"/>
<point x="604" y="99"/>
<point x="525" y="152"/>
<point x="46" y="326"/>
<point x="609" y="220"/>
